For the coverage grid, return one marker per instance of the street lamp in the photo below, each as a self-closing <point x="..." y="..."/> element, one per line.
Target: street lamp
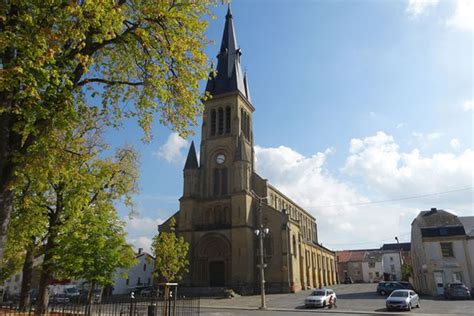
<point x="261" y="232"/>
<point x="400" y="257"/>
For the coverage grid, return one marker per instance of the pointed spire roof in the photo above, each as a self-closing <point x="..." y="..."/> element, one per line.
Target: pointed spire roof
<point x="242" y="154"/>
<point x="191" y="161"/>
<point x="229" y="74"/>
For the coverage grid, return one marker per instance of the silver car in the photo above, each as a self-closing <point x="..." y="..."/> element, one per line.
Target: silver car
<point x="320" y="298"/>
<point x="402" y="299"/>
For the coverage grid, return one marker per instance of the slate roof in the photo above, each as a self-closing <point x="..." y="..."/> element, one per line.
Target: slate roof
<point x="191" y="160"/>
<point x="404" y="246"/>
<point x="468" y="223"/>
<point x="229" y="76"/>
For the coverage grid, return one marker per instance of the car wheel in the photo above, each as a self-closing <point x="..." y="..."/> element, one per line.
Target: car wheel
<point x="409" y="307"/>
<point x="382" y="292"/>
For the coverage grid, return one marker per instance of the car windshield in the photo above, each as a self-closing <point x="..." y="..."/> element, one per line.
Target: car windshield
<point x="399" y="294"/>
<point x="457" y="285"/>
<point x="318" y="293"/>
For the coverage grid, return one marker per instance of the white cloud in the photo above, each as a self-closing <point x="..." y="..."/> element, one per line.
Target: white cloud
<point x="383" y="172"/>
<point x="463" y="17"/>
<point x="373" y="114"/>
<point x="306" y="180"/>
<point x="381" y="164"/>
<point x="400" y="125"/>
<point x="141" y="231"/>
<point x="455" y="143"/>
<point x="172" y="149"/>
<point x="425" y="140"/>
<point x="417" y="7"/>
<point x="468" y="105"/>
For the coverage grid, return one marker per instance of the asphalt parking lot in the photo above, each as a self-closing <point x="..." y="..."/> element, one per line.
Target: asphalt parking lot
<point x="350" y="297"/>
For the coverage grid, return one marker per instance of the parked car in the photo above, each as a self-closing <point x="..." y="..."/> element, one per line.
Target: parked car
<point x="320" y="298"/>
<point x="387" y="287"/>
<point x="59" y="298"/>
<point x="456" y="290"/>
<point x="402" y="299"/>
<point x="143" y="291"/>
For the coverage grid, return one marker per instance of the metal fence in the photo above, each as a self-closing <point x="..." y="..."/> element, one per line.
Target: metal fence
<point x="144" y="306"/>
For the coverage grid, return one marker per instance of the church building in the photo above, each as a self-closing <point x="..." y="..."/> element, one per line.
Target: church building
<point x="223" y="197"/>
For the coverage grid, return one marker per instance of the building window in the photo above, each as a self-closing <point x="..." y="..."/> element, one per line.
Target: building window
<point x="392" y="268"/>
<point x="227" y="120"/>
<point x="213" y="122"/>
<point x="144" y="267"/>
<point x="220" y="185"/>
<point x="220" y="121"/>
<point x="149" y="281"/>
<point x="457" y="277"/>
<point x="371" y="264"/>
<point x="127" y="281"/>
<point x="377" y="274"/>
<point x="139" y="282"/>
<point x="391" y="258"/>
<point x="447" y="249"/>
<point x="294" y="246"/>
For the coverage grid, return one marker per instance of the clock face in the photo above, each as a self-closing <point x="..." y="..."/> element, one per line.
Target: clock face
<point x="220" y="159"/>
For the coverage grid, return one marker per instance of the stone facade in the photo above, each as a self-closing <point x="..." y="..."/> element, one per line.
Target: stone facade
<point x="223" y="197"/>
<point x="442" y="250"/>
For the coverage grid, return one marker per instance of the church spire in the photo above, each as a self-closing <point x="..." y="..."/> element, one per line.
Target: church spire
<point x="191" y="161"/>
<point x="229" y="74"/>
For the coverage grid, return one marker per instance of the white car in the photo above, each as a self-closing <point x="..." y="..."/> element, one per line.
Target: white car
<point x="402" y="299"/>
<point x="320" y="298"/>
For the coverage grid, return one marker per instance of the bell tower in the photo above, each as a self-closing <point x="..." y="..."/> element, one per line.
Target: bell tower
<point x="216" y="210"/>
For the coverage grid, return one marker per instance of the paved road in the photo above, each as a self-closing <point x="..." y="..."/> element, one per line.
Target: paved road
<point x="351" y="298"/>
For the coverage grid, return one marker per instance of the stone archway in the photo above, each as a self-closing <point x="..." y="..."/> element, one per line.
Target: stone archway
<point x="213" y="261"/>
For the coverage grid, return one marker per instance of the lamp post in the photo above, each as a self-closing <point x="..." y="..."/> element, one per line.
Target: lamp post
<point x="261" y="232"/>
<point x="400" y="257"/>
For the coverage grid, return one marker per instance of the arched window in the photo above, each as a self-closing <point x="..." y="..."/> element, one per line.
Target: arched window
<point x="242" y="115"/>
<point x="220" y="121"/>
<point x="216" y="177"/>
<point x="223" y="181"/>
<point x="227" y="120"/>
<point x="294" y="246"/>
<point x="268" y="245"/>
<point x="220" y="185"/>
<point x="213" y="122"/>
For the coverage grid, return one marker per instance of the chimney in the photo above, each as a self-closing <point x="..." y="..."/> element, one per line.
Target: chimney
<point x="140" y="250"/>
<point x="433" y="208"/>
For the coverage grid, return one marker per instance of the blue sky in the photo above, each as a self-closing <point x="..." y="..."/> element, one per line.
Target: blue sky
<point x="356" y="102"/>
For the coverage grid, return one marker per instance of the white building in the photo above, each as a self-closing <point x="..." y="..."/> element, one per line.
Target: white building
<point x="442" y="250"/>
<point x="140" y="274"/>
<point x="392" y="261"/>
<point x="372" y="267"/>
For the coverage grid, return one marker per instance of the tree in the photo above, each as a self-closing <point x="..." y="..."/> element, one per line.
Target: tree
<point x="171" y="255"/>
<point x="55" y="55"/>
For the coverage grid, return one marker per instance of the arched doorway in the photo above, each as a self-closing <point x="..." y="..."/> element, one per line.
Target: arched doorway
<point x="213" y="253"/>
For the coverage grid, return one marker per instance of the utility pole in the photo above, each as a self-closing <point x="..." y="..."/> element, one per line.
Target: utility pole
<point x="400" y="257"/>
<point x="261" y="232"/>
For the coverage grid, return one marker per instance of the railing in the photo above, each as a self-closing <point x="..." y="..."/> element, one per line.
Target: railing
<point x="120" y="306"/>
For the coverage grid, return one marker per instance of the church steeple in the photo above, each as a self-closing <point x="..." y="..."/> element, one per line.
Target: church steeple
<point x="229" y="74"/>
<point x="191" y="160"/>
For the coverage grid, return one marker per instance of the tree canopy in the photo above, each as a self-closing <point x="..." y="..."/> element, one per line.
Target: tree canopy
<point x="171" y="254"/>
<point x="120" y="58"/>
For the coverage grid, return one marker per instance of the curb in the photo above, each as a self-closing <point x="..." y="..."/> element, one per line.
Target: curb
<point x="333" y="311"/>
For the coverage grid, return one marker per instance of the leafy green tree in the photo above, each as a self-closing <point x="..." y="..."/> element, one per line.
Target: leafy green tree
<point x="140" y="58"/>
<point x="171" y="254"/>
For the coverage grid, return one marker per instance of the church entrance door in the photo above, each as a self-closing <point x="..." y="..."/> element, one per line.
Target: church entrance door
<point x="216" y="273"/>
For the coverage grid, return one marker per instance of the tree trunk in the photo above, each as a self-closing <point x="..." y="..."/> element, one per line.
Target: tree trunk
<point x="45" y="278"/>
<point x="47" y="269"/>
<point x="90" y="297"/>
<point x="27" y="276"/>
